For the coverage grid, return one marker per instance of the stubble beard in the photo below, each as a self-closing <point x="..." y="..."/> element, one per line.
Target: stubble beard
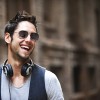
<point x="23" y="58"/>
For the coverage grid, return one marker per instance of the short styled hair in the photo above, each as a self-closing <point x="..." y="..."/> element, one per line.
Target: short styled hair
<point x="20" y="16"/>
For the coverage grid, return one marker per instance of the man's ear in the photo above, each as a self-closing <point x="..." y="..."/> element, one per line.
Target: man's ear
<point x="7" y="37"/>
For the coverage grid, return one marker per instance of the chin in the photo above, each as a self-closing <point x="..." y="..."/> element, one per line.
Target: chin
<point x="24" y="56"/>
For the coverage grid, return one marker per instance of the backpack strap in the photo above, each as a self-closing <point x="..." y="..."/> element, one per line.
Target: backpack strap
<point x="37" y="84"/>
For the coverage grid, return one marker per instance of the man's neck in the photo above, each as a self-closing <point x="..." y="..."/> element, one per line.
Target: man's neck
<point x="17" y="80"/>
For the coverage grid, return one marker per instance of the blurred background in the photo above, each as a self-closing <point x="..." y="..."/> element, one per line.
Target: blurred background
<point x="69" y="43"/>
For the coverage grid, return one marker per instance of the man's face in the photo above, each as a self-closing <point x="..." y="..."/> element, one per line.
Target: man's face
<point x="22" y="47"/>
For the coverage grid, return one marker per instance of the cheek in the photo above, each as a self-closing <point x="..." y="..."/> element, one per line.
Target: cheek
<point x="15" y="43"/>
<point x="34" y="43"/>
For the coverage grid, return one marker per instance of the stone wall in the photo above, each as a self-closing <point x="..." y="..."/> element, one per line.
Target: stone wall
<point x="68" y="44"/>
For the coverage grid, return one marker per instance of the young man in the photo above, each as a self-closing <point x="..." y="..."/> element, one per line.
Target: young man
<point x="21" y="79"/>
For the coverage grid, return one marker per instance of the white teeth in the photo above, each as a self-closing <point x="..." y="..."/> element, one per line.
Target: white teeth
<point x="25" y="47"/>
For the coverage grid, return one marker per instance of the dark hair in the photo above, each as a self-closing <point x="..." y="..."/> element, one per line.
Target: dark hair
<point x="20" y="16"/>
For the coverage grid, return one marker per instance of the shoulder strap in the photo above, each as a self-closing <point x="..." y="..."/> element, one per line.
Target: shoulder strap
<point x="0" y="81"/>
<point x="37" y="84"/>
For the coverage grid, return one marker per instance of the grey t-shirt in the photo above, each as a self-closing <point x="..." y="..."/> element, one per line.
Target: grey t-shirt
<point x="52" y="85"/>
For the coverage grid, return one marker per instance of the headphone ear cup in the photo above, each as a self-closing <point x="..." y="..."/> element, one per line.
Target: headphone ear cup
<point x="8" y="70"/>
<point x="26" y="70"/>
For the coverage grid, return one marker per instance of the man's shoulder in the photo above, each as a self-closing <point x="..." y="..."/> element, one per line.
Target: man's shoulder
<point x="39" y="66"/>
<point x="48" y="73"/>
<point x="49" y="76"/>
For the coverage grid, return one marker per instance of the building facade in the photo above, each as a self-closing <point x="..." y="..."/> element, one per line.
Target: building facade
<point x="69" y="43"/>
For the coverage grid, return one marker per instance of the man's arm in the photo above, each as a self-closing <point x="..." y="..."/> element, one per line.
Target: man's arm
<point x="53" y="87"/>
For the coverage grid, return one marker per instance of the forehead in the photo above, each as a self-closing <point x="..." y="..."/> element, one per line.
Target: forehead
<point x="25" y="25"/>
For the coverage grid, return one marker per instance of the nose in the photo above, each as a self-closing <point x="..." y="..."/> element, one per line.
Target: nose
<point x="28" y="38"/>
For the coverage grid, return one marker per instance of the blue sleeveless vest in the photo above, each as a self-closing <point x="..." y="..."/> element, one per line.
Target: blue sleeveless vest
<point x="37" y="84"/>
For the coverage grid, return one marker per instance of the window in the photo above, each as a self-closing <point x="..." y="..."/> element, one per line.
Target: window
<point x="76" y="78"/>
<point x="91" y="77"/>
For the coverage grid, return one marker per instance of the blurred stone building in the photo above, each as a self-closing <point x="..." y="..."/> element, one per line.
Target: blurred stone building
<point x="69" y="43"/>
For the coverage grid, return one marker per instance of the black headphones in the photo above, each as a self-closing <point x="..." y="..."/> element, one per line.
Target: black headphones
<point x="25" y="70"/>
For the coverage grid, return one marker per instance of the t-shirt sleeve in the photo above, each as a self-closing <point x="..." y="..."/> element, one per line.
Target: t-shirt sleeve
<point x="53" y="87"/>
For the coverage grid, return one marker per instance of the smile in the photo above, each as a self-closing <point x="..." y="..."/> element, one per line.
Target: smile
<point x="25" y="47"/>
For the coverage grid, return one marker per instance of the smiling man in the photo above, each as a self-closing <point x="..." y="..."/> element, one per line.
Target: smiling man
<point x="21" y="79"/>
